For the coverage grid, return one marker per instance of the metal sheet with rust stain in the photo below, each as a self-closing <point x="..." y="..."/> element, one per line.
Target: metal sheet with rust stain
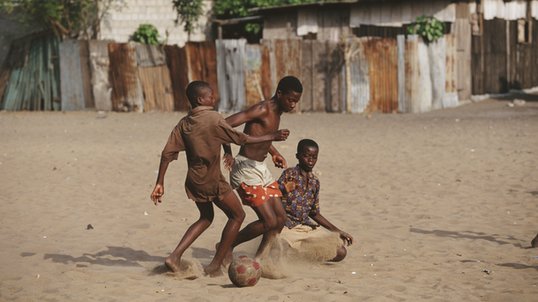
<point x="253" y="74"/>
<point x="383" y="74"/>
<point x="176" y="59"/>
<point x="202" y="63"/>
<point x="126" y="88"/>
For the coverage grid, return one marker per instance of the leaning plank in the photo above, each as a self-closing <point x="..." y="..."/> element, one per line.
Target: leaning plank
<point x="71" y="85"/>
<point x="99" y="66"/>
<point x="157" y="88"/>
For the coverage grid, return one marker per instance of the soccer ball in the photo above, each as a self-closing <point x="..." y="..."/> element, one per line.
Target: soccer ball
<point x="244" y="271"/>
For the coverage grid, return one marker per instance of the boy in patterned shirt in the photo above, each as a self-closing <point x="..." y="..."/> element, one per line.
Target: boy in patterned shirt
<point x="300" y="189"/>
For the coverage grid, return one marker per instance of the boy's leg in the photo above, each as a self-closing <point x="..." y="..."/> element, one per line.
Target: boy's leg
<point x="279" y="211"/>
<point x="266" y="225"/>
<point x="233" y="209"/>
<point x="193" y="232"/>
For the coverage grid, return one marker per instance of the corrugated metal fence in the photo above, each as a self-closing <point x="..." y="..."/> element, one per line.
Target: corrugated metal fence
<point x="360" y="75"/>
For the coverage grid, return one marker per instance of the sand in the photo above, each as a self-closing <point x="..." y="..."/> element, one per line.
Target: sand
<point x="442" y="206"/>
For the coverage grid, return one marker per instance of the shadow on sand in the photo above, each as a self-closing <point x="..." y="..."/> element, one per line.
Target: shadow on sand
<point x="470" y="235"/>
<point x="112" y="256"/>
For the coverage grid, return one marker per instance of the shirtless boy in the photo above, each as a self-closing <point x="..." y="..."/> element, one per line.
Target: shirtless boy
<point x="200" y="134"/>
<point x="249" y="174"/>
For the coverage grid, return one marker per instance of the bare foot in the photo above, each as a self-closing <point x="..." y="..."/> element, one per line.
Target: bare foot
<point x="228" y="258"/>
<point x="172" y="264"/>
<point x="213" y="271"/>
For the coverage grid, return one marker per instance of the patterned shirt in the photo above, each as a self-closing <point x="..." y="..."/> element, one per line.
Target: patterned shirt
<point x="300" y="196"/>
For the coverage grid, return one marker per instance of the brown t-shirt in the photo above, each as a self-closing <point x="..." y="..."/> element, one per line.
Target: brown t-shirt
<point x="201" y="134"/>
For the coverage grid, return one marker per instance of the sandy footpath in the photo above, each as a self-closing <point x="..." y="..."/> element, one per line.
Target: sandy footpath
<point x="442" y="206"/>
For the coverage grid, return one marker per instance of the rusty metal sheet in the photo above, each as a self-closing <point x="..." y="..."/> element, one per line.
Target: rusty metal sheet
<point x="176" y="59"/>
<point x="157" y="88"/>
<point x="202" y="63"/>
<point x="126" y="90"/>
<point x="253" y="74"/>
<point x="418" y="90"/>
<point x="382" y="59"/>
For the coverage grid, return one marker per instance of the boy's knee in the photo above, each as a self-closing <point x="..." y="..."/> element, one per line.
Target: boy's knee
<point x="240" y="216"/>
<point x="270" y="224"/>
<point x="341" y="253"/>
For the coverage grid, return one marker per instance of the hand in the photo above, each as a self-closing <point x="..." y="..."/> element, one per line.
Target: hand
<point x="157" y="193"/>
<point x="346" y="237"/>
<point x="228" y="160"/>
<point x="281" y="135"/>
<point x="279" y="161"/>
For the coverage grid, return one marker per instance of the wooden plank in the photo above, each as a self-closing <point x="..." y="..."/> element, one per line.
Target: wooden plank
<point x="126" y="89"/>
<point x="320" y="95"/>
<point x="402" y="101"/>
<point x="176" y="59"/>
<point x="157" y="88"/>
<point x="99" y="67"/>
<point x="86" y="74"/>
<point x="462" y="33"/>
<point x="335" y="73"/>
<point x="306" y="75"/>
<point x="71" y="86"/>
<point x="266" y="77"/>
<point x="287" y="56"/>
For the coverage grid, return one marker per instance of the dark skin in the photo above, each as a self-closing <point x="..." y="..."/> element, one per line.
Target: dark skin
<point x="229" y="204"/>
<point x="308" y="158"/>
<point x="261" y="119"/>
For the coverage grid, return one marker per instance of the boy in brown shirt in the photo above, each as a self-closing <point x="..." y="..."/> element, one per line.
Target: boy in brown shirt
<point x="200" y="134"/>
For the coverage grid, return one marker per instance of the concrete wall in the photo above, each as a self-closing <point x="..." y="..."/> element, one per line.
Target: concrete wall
<point x="122" y="22"/>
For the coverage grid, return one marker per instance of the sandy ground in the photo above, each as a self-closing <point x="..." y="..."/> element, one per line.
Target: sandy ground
<point x="442" y="206"/>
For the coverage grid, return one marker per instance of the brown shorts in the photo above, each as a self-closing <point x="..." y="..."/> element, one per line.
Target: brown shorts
<point x="255" y="196"/>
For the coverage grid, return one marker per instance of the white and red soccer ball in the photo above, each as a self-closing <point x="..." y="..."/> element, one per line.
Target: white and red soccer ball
<point x="244" y="271"/>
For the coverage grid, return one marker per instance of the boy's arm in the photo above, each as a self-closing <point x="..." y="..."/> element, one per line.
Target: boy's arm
<point x="158" y="190"/>
<point x="228" y="157"/>
<point x="252" y="113"/>
<point x="170" y="152"/>
<point x="348" y="239"/>
<point x="278" y="159"/>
